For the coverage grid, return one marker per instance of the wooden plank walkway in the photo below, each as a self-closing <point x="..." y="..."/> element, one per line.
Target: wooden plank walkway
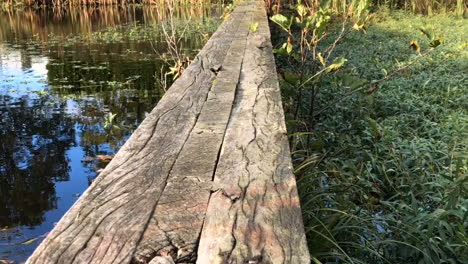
<point x="207" y="176"/>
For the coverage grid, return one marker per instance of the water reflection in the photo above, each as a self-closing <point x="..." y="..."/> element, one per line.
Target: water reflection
<point x="33" y="140"/>
<point x="69" y="93"/>
<point x="44" y="23"/>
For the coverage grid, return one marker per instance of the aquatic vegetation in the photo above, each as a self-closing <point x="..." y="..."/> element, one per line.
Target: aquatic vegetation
<point x="140" y="33"/>
<point x="109" y="120"/>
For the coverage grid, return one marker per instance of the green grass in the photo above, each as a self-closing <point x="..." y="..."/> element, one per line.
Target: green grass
<point x="386" y="180"/>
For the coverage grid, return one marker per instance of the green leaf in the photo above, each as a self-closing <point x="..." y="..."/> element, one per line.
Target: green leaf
<point x="362" y="9"/>
<point x="282" y="50"/>
<point x="322" y="19"/>
<point x="324" y="4"/>
<point x="300" y="134"/>
<point x="337" y="63"/>
<point x="374" y="127"/>
<point x="291" y="78"/>
<point x="426" y="32"/>
<point x="353" y="82"/>
<point x="435" y="43"/>
<point x="282" y="21"/>
<point x="289" y="47"/>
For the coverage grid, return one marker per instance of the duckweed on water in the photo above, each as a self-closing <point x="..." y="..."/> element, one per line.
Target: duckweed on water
<point x="192" y="31"/>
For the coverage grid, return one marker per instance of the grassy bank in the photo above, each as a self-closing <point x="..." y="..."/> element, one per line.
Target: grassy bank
<point x="383" y="172"/>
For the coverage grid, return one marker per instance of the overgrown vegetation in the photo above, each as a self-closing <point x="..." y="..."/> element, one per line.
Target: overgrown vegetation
<point x="377" y="114"/>
<point x="174" y="35"/>
<point x="428" y="7"/>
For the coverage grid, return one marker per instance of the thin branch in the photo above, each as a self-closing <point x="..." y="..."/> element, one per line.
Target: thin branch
<point x="374" y="82"/>
<point x="343" y="33"/>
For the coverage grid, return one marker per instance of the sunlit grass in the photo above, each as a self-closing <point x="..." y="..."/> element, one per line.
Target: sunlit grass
<point x="386" y="175"/>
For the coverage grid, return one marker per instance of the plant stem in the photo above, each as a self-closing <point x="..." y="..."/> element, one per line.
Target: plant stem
<point x="375" y="82"/>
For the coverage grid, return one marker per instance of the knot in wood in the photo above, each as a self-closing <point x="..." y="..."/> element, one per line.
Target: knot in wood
<point x="233" y="195"/>
<point x="216" y="68"/>
<point x="260" y="41"/>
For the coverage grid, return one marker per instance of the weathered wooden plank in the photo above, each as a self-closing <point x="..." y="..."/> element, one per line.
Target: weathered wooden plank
<point x="208" y="170"/>
<point x="176" y="225"/>
<point x="254" y="215"/>
<point x="108" y="223"/>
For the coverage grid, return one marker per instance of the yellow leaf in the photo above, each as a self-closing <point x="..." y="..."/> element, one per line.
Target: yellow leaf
<point x="415" y="46"/>
<point x="27" y="242"/>
<point x="253" y="27"/>
<point x="301" y="10"/>
<point x="337" y="63"/>
<point x="322" y="60"/>
<point x="226" y="16"/>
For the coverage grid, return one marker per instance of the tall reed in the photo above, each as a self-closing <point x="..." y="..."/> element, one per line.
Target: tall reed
<point x="44" y="23"/>
<point x="95" y="2"/>
<point x="427" y="7"/>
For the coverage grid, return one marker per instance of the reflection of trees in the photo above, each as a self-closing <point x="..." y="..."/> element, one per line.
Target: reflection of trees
<point x="34" y="137"/>
<point x="101" y="78"/>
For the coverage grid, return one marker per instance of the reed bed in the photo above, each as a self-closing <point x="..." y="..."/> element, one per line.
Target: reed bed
<point x="98" y="2"/>
<point x="428" y="7"/>
<point x="37" y="22"/>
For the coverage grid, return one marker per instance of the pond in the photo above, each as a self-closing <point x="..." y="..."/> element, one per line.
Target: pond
<point x="74" y="84"/>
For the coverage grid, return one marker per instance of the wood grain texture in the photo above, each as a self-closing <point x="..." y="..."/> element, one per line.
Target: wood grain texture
<point x="176" y="224"/>
<point x="208" y="172"/>
<point x="113" y="219"/>
<point x="254" y="214"/>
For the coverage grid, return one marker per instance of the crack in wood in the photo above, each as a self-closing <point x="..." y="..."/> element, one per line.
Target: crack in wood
<point x="206" y="177"/>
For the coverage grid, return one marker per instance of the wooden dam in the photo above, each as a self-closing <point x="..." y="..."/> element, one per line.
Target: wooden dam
<point x="206" y="178"/>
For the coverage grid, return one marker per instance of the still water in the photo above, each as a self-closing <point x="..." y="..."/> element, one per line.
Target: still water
<point x="74" y="84"/>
